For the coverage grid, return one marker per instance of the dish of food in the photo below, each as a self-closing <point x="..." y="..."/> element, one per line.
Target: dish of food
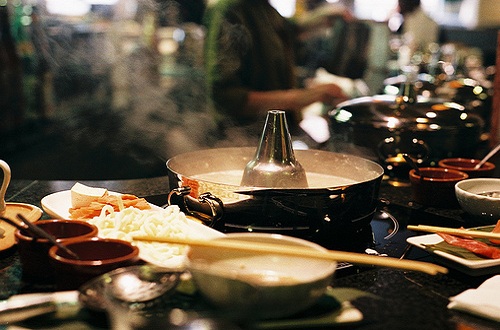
<point x="471" y="266"/>
<point x="130" y="221"/>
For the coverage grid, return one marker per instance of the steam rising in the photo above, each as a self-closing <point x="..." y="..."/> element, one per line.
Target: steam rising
<point x="132" y="76"/>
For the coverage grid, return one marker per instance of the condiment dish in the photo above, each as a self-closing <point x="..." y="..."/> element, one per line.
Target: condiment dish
<point x="480" y="197"/>
<point x="34" y="251"/>
<point x="467" y="165"/>
<point x="96" y="257"/>
<point x="435" y="186"/>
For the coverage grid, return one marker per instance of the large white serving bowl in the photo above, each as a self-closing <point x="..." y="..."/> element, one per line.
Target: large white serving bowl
<point x="469" y="195"/>
<point x="260" y="286"/>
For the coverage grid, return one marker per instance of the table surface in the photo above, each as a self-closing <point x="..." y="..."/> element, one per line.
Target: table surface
<point x="390" y="299"/>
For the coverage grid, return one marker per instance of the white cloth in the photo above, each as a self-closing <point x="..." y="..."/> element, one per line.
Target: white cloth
<point x="483" y="301"/>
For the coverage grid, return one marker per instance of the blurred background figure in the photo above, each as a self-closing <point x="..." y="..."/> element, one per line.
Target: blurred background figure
<point x="251" y="67"/>
<point x="416" y="27"/>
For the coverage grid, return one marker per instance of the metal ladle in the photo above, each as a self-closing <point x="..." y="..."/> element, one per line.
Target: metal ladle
<point x="487" y="157"/>
<point x="413" y="164"/>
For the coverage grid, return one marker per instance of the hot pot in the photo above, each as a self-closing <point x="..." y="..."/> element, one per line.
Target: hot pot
<point x="445" y="128"/>
<point x="335" y="209"/>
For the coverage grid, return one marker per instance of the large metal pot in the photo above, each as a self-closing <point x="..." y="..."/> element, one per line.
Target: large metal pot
<point x="446" y="128"/>
<point x="333" y="211"/>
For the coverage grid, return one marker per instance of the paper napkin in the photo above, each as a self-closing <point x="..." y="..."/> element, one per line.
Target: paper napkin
<point x="483" y="301"/>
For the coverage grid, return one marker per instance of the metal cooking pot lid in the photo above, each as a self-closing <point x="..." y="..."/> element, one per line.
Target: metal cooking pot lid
<point x="384" y="111"/>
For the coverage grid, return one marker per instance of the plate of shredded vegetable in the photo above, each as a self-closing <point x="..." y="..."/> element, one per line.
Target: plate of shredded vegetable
<point x="126" y="216"/>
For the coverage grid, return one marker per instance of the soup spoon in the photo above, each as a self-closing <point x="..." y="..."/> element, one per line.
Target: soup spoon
<point x="488" y="156"/>
<point x="412" y="163"/>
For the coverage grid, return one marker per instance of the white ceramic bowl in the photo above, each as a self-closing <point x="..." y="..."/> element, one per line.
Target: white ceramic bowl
<point x="470" y="196"/>
<point x="248" y="285"/>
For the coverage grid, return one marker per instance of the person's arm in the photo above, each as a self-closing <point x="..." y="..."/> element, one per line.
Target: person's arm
<point x="294" y="100"/>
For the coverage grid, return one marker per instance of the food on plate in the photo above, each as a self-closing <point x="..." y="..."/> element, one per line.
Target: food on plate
<point x="130" y="222"/>
<point x="496" y="230"/>
<point x="472" y="245"/>
<point x="87" y="202"/>
<point x="82" y="195"/>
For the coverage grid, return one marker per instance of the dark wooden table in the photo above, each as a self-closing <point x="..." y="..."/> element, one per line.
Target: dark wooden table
<point x="392" y="299"/>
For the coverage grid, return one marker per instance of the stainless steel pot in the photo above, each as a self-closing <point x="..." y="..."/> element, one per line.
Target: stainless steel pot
<point x="446" y="128"/>
<point x="336" y="208"/>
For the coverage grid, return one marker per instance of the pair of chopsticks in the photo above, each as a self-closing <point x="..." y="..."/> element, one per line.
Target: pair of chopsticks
<point x="37" y="232"/>
<point x="297" y="251"/>
<point x="455" y="231"/>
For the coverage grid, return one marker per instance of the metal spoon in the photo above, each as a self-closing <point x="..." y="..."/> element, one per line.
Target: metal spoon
<point x="128" y="284"/>
<point x="488" y="156"/>
<point x="133" y="284"/>
<point x="412" y="163"/>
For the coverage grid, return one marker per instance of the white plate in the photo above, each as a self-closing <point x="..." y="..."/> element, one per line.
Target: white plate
<point x="472" y="267"/>
<point x="57" y="205"/>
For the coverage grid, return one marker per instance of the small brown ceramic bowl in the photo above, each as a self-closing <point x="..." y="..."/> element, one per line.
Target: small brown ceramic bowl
<point x="34" y="252"/>
<point x="467" y="165"/>
<point x="436" y="186"/>
<point x="96" y="257"/>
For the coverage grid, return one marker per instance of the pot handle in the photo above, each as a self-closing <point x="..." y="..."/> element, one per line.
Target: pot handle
<point x="207" y="208"/>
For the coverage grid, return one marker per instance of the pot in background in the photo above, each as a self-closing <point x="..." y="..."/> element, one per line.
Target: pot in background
<point x="446" y="127"/>
<point x="34" y="252"/>
<point x="97" y="256"/>
<point x="467" y="165"/>
<point x="435" y="186"/>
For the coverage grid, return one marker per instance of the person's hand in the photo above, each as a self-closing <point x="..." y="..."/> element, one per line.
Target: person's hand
<point x="330" y="94"/>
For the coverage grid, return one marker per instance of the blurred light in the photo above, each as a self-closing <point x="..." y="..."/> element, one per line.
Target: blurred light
<point x="469" y="82"/>
<point x="68" y="7"/>
<point x="477" y="90"/>
<point x="26" y="20"/>
<point x="391" y="90"/>
<point x="343" y="116"/>
<point x="426" y="93"/>
<point x="463" y="116"/>
<point x="286" y="8"/>
<point x="454" y="105"/>
<point x="434" y="126"/>
<point x="377" y="10"/>
<point x="392" y="122"/>
<point x="27" y="10"/>
<point x="179" y="35"/>
<point x="74" y="7"/>
<point x="431" y="114"/>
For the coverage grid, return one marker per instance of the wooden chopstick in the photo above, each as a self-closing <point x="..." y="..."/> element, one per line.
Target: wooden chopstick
<point x="354" y="258"/>
<point x="455" y="231"/>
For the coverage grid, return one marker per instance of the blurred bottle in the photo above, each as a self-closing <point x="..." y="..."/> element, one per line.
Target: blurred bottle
<point x="11" y="76"/>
